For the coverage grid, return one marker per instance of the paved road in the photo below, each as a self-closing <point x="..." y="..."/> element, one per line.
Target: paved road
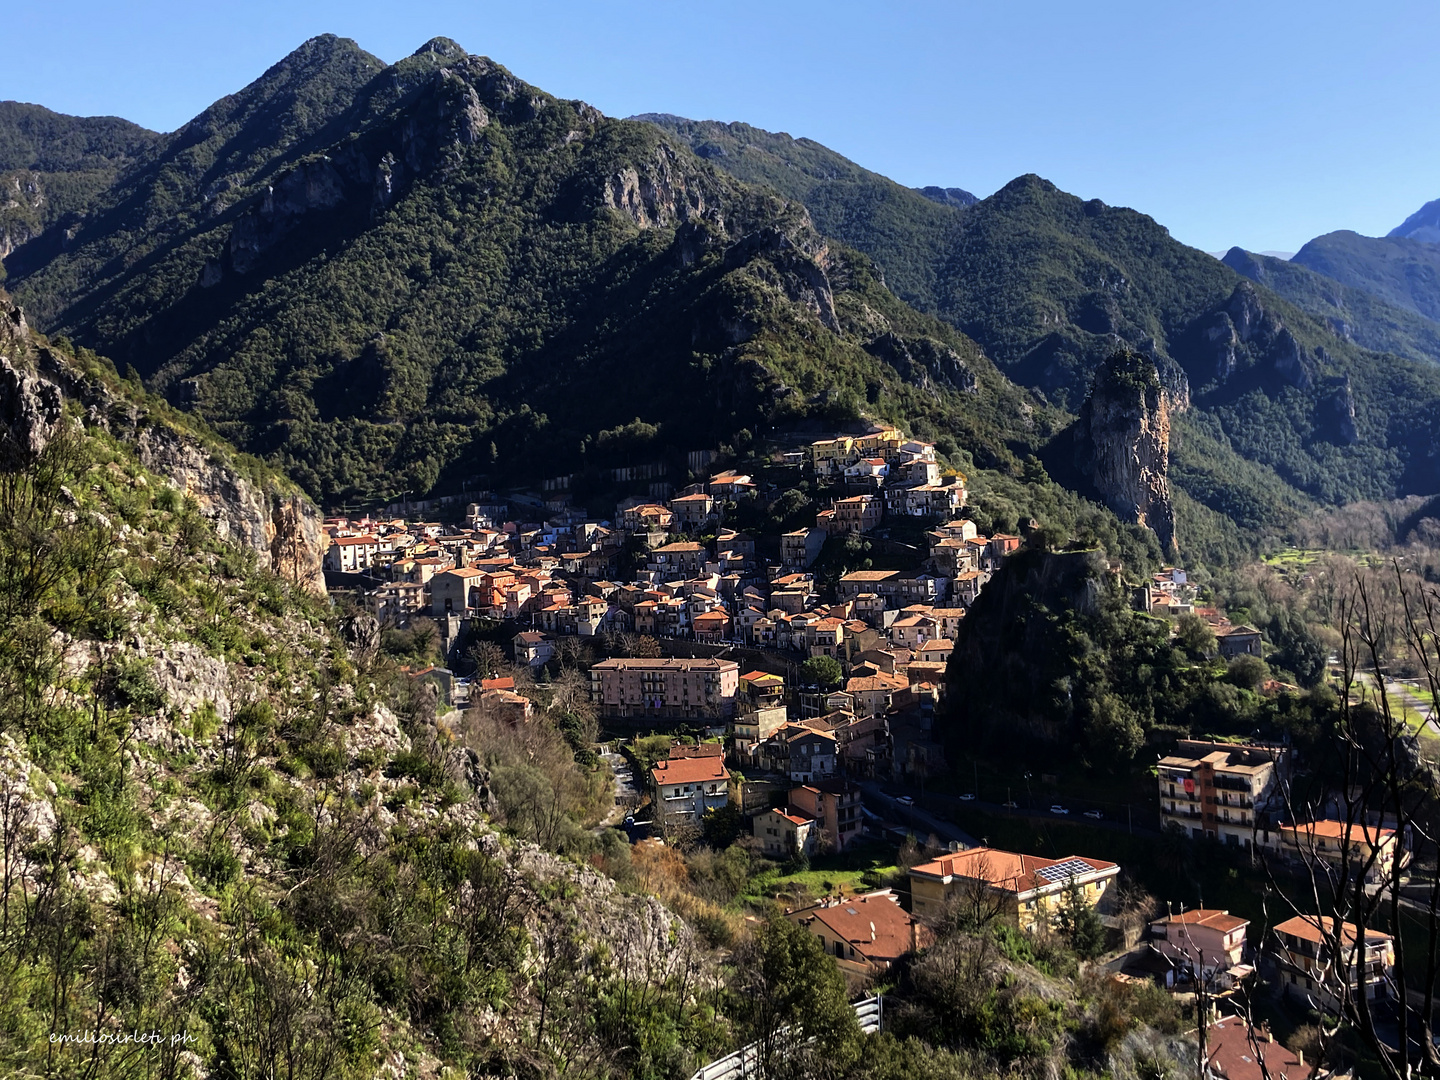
<point x="625" y="790"/>
<point x="1115" y="820"/>
<point x="1418" y="702"/>
<point x="1420" y="705"/>
<point x="923" y="822"/>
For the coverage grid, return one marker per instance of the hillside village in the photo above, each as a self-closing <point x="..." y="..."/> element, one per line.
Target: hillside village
<point x="809" y="691"/>
<point x="489" y="588"/>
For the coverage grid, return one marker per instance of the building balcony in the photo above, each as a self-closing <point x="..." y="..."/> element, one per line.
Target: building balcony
<point x="1180" y="796"/>
<point x="1190" y="815"/>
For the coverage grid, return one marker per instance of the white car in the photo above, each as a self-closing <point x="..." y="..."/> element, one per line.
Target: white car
<point x="967" y="798"/>
<point x="905" y="800"/>
<point x="1011" y="805"/>
<point x="1058" y="809"/>
<point x="1096" y="814"/>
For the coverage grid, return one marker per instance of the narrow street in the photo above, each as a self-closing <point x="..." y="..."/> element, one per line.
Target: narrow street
<point x="626" y="792"/>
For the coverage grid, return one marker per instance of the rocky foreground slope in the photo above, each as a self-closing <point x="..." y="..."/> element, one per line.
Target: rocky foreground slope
<point x="224" y="817"/>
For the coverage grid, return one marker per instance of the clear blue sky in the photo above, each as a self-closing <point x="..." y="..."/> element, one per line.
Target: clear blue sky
<point x="1256" y="123"/>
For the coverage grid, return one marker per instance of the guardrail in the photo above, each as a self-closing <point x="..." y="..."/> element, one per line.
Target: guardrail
<point x="744" y="1064"/>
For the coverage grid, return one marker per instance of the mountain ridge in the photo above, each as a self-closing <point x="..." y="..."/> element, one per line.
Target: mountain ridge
<point x="1399" y="270"/>
<point x="462" y="281"/>
<point x="1352" y="313"/>
<point x="1424" y="224"/>
<point x="53" y="166"/>
<point x="433" y="272"/>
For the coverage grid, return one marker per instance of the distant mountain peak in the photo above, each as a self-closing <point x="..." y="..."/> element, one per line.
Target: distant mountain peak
<point x="442" y="46"/>
<point x="948" y="196"/>
<point x="1424" y="224"/>
<point x="322" y="48"/>
<point x="1027" y="185"/>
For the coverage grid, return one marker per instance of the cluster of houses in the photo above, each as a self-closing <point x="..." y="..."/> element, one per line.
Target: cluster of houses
<point x="1169" y="592"/>
<point x="1233" y="793"/>
<point x="1212" y="790"/>
<point x="687" y="577"/>
<point x="669" y="568"/>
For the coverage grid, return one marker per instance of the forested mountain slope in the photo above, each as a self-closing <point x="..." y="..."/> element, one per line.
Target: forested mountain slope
<point x="189" y="178"/>
<point x="903" y="230"/>
<point x="451" y="273"/>
<point x="54" y="166"/>
<point x="1049" y="285"/>
<point x="1352" y="313"/>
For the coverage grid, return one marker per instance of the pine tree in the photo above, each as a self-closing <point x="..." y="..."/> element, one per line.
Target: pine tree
<point x="1079" y="923"/>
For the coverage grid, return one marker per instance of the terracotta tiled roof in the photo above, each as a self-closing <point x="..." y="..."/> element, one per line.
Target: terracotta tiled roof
<point x="1007" y="870"/>
<point x="1307" y="928"/>
<point x="878" y="681"/>
<point x="1329" y="829"/>
<point x="795" y="817"/>
<point x="1232" y="1054"/>
<point x="877" y="926"/>
<point x="697" y="770"/>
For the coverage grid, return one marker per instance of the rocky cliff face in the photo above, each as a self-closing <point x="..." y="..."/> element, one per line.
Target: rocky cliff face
<point x="31" y="409"/>
<point x="1243" y="333"/>
<point x="282" y="526"/>
<point x="1122" y="443"/>
<point x="657" y="192"/>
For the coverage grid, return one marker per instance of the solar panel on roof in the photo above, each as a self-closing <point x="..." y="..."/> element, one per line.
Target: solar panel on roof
<point x="1067" y="868"/>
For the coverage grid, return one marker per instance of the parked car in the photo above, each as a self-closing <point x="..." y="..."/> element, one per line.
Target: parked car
<point x="967" y="798"/>
<point x="1096" y="814"/>
<point x="1011" y="805"/>
<point x="905" y="800"/>
<point x="1058" y="809"/>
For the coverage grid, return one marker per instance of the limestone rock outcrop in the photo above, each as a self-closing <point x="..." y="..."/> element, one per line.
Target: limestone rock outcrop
<point x="659" y="193"/>
<point x="1242" y="333"/>
<point x="1122" y="443"/>
<point x="31" y="410"/>
<point x="281" y="525"/>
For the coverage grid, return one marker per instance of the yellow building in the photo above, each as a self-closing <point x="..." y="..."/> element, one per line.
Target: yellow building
<point x="1027" y="889"/>
<point x="1324" y="960"/>
<point x="884" y="444"/>
<point x="762" y="689"/>
<point x="831" y="456"/>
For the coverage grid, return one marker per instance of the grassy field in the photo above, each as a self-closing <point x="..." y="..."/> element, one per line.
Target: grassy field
<point x="864" y="867"/>
<point x="1298" y="560"/>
